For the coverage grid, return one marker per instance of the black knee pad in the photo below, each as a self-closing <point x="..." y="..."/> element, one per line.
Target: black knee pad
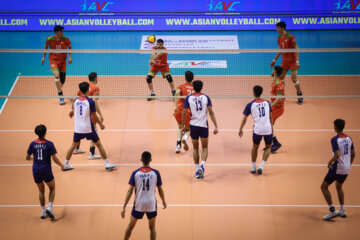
<point x="149" y="78"/>
<point x="169" y="78"/>
<point x="62" y="77"/>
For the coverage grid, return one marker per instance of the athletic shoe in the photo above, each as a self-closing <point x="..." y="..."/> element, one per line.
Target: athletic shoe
<point x="151" y="98"/>
<point x="331" y="215"/>
<point x="78" y="151"/>
<point x="109" y="166"/>
<point x="68" y="167"/>
<point x="50" y="213"/>
<point x="275" y="147"/>
<point x="201" y="172"/>
<point x="94" y="157"/>
<point x="43" y="215"/>
<point x="178" y="148"/>
<point x="260" y="170"/>
<point x="184" y="141"/>
<point x="61" y="101"/>
<point x="342" y="213"/>
<point x="253" y="170"/>
<point x="300" y="101"/>
<point x="197" y="173"/>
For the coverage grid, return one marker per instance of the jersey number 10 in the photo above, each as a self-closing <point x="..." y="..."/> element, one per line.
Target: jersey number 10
<point x="261" y="111"/>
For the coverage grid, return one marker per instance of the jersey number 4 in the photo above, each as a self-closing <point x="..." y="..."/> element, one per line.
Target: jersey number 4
<point x="146" y="184"/>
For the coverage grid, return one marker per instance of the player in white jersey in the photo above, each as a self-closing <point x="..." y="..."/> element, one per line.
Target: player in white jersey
<point x="84" y="108"/>
<point x="260" y="111"/>
<point x="144" y="180"/>
<point x="339" y="168"/>
<point x="199" y="105"/>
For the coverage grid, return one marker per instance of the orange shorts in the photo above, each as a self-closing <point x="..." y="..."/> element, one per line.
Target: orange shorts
<point x="58" y="65"/>
<point x="178" y="116"/>
<point x="277" y="112"/>
<point x="289" y="65"/>
<point x="163" y="69"/>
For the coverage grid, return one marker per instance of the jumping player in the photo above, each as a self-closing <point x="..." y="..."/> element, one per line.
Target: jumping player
<point x="183" y="90"/>
<point x="93" y="91"/>
<point x="339" y="168"/>
<point x="277" y="104"/>
<point x="158" y="63"/>
<point x="43" y="150"/>
<point x="260" y="111"/>
<point x="84" y="109"/>
<point x="58" y="60"/>
<point x="199" y="105"/>
<point x="144" y="180"/>
<point x="290" y="61"/>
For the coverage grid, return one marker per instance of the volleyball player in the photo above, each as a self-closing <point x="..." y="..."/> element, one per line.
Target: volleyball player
<point x="158" y="63"/>
<point x="144" y="180"/>
<point x="260" y="111"/>
<point x="58" y="60"/>
<point x="43" y="150"/>
<point x="290" y="60"/>
<point x="339" y="168"/>
<point x="183" y="90"/>
<point x="199" y="105"/>
<point x="84" y="109"/>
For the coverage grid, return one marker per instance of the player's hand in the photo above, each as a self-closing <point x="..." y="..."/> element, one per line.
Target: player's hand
<point x="102" y="126"/>
<point x="70" y="60"/>
<point x="151" y="63"/>
<point x="330" y="164"/>
<point x="297" y="65"/>
<point x="175" y="110"/>
<point x="164" y="205"/>
<point x="42" y="60"/>
<point x="123" y="212"/>
<point x="241" y="133"/>
<point x="272" y="64"/>
<point x="71" y="113"/>
<point x="216" y="131"/>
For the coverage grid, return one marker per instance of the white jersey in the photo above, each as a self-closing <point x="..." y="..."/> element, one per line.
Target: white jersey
<point x="145" y="180"/>
<point x="83" y="109"/>
<point x="198" y="104"/>
<point x="260" y="111"/>
<point x="344" y="144"/>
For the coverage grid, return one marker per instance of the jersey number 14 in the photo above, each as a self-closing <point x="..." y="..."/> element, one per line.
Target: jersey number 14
<point x="146" y="184"/>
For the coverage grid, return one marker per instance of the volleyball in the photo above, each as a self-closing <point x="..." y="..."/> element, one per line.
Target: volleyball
<point x="151" y="39"/>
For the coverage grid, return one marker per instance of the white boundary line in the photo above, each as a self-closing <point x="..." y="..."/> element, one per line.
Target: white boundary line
<point x="186" y="205"/>
<point x="174" y="130"/>
<point x="13" y="86"/>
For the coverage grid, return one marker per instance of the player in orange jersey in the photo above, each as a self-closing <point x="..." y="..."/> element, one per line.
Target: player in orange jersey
<point x="158" y="63"/>
<point x="58" y="60"/>
<point x="277" y="103"/>
<point x="183" y="90"/>
<point x="290" y="61"/>
<point x="93" y="91"/>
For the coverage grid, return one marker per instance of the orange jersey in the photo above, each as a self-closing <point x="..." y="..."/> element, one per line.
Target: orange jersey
<point x="278" y="87"/>
<point x="58" y="43"/>
<point x="287" y="42"/>
<point x="161" y="59"/>
<point x="185" y="90"/>
<point x="93" y="90"/>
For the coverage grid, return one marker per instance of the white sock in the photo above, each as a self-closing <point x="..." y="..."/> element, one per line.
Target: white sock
<point x="262" y="164"/>
<point x="43" y="208"/>
<point x="342" y="208"/>
<point x="66" y="162"/>
<point x="203" y="163"/>
<point x="197" y="166"/>
<point x="50" y="205"/>
<point x="254" y="164"/>
<point x="106" y="161"/>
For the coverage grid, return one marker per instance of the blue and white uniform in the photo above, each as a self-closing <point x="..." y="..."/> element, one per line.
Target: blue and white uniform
<point x="198" y="104"/>
<point x="145" y="180"/>
<point x="340" y="168"/>
<point x="260" y="111"/>
<point x="84" y="107"/>
<point x="42" y="150"/>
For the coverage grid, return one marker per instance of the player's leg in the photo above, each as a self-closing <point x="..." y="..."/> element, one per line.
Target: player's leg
<point x="51" y="186"/>
<point x="254" y="151"/>
<point x="178" y="118"/>
<point x="92" y="154"/>
<point x="196" y="156"/>
<point x="283" y="75"/>
<point x="341" y="196"/>
<point x="329" y="179"/>
<point x="204" y="155"/>
<point x="268" y="142"/>
<point x="41" y="187"/>
<point x="98" y="144"/>
<point x="186" y="137"/>
<point x="151" y="74"/>
<point x="276" y="113"/>
<point x="294" y="78"/>
<point x="56" y="71"/>
<point x="75" y="143"/>
<point x="152" y="229"/>
<point x="170" y="80"/>
<point x="130" y="227"/>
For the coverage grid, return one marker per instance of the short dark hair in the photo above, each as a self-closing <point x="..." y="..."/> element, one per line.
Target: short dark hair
<point x="279" y="70"/>
<point x="257" y="90"/>
<point x="92" y="76"/>
<point x="198" y="85"/>
<point x="146" y="157"/>
<point x="40" y="130"/>
<point x="84" y="87"/>
<point x="339" y="124"/>
<point x="281" y="24"/>
<point x="189" y="76"/>
<point x="160" y="40"/>
<point x="58" y="28"/>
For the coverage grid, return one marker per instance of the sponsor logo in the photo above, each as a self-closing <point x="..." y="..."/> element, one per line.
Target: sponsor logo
<point x="347" y="5"/>
<point x="197" y="64"/>
<point x="89" y="6"/>
<point x="222" y="5"/>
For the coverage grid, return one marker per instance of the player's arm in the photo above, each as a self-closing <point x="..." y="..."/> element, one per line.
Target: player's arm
<point x="275" y="59"/>
<point x="98" y="109"/>
<point x="213" y="118"/>
<point x="277" y="100"/>
<point x="97" y="120"/>
<point x="152" y="58"/>
<point x="334" y="158"/>
<point x="127" y="199"/>
<point x="71" y="113"/>
<point x="242" y="124"/>
<point x="352" y="155"/>
<point x="162" y="196"/>
<point x="44" y="54"/>
<point x="297" y="54"/>
<point x="183" y="117"/>
<point x="177" y="93"/>
<point x="28" y="157"/>
<point x="70" y="60"/>
<point x="57" y="161"/>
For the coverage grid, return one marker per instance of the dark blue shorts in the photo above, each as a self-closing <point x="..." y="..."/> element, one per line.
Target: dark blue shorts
<point x="267" y="139"/>
<point x="196" y="132"/>
<point x="43" y="176"/>
<point x="332" y="176"/>
<point x="89" y="136"/>
<point x="140" y="215"/>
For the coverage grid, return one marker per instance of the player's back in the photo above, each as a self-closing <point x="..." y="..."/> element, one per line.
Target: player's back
<point x="93" y="90"/>
<point x="186" y="89"/>
<point x="83" y="108"/>
<point x="145" y="180"/>
<point x="344" y="144"/>
<point x="42" y="150"/>
<point x="277" y="87"/>
<point x="260" y="111"/>
<point x="198" y="103"/>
